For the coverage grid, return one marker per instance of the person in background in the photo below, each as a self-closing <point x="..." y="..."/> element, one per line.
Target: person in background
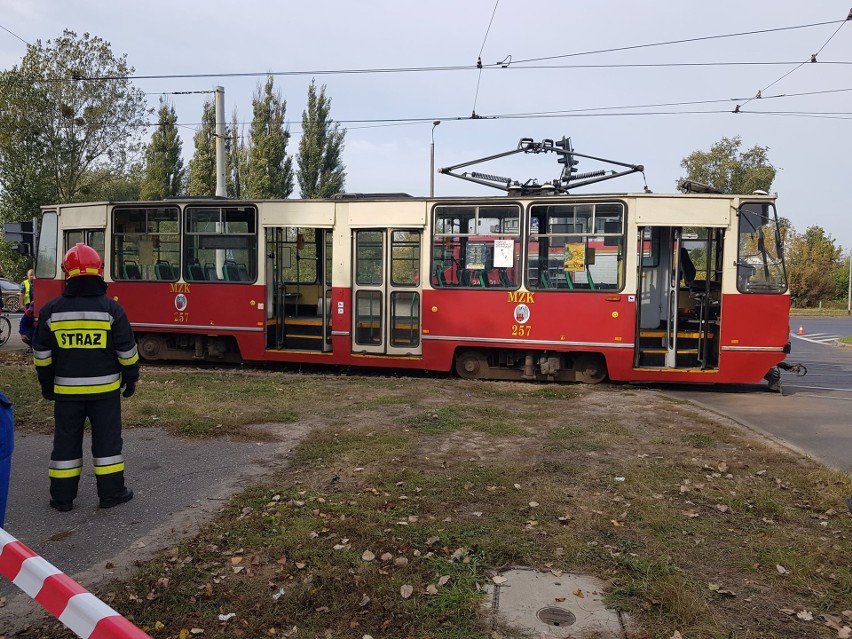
<point x="85" y="352"/>
<point x="27" y="294"/>
<point x="26" y="327"/>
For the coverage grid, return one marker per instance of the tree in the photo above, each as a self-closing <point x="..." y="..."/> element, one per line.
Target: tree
<point x="321" y="169"/>
<point x="724" y="167"/>
<point x="73" y="107"/>
<point x="202" y="166"/>
<point x="163" y="163"/>
<point x="812" y="262"/>
<point x="270" y="171"/>
<point x="237" y="160"/>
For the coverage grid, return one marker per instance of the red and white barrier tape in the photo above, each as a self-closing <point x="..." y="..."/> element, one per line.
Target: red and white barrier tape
<point x="81" y="612"/>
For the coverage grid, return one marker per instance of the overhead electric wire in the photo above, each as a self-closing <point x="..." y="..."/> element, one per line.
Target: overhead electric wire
<point x="479" y="58"/>
<point x="811" y="59"/>
<point x="671" y="42"/>
<point x="11" y="33"/>
<point x="502" y="65"/>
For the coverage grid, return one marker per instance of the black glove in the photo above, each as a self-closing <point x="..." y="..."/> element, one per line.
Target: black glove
<point x="47" y="392"/>
<point x="129" y="389"/>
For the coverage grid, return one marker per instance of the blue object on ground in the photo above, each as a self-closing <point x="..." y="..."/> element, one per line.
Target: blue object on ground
<point x="7" y="444"/>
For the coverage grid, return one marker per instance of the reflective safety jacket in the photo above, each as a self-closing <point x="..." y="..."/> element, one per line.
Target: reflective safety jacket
<point x="27" y="292"/>
<point x="84" y="345"/>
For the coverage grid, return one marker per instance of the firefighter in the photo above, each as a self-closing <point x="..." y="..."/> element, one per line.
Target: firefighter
<point x="84" y="352"/>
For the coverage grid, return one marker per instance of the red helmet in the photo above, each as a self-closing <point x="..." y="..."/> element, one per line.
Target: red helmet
<point x="82" y="260"/>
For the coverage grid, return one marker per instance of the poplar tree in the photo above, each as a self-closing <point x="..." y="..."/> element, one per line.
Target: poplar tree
<point x="321" y="169"/>
<point x="237" y="154"/>
<point x="269" y="172"/>
<point x="202" y="166"/>
<point x="163" y="163"/>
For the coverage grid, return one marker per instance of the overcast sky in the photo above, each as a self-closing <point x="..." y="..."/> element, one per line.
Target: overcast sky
<point x="641" y="104"/>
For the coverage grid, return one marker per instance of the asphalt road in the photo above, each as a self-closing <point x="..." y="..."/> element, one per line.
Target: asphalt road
<point x="177" y="483"/>
<point x="811" y="416"/>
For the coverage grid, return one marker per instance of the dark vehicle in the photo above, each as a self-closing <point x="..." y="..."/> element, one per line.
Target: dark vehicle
<point x="10" y="291"/>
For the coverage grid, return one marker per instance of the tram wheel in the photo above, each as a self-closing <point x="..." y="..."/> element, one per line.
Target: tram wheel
<point x="151" y="347"/>
<point x="471" y="364"/>
<point x="590" y="368"/>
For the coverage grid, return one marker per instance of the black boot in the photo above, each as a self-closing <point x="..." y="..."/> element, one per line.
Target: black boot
<point x="122" y="497"/>
<point x="61" y="506"/>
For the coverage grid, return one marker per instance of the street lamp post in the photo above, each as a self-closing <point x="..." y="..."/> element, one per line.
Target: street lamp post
<point x="432" y="161"/>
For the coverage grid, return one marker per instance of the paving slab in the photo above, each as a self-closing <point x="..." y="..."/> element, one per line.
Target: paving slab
<point x="550" y="605"/>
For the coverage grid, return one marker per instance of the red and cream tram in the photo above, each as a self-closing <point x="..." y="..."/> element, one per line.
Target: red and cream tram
<point x="639" y="287"/>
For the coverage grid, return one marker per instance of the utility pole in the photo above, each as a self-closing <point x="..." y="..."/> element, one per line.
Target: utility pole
<point x="432" y="161"/>
<point x="221" y="184"/>
<point x="849" y="292"/>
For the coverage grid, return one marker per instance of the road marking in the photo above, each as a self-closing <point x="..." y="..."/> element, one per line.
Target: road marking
<point x="818" y="338"/>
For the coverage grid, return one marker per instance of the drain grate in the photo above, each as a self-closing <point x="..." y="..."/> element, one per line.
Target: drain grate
<point x="554" y="616"/>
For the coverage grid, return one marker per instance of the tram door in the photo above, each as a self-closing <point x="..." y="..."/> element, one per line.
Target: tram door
<point x="298" y="288"/>
<point x="679" y="310"/>
<point x="386" y="291"/>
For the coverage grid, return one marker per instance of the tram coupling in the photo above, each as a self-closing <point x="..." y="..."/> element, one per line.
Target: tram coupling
<point x="799" y="369"/>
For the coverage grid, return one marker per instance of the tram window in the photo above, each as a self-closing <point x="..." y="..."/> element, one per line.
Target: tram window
<point x="368" y="257"/>
<point x="760" y="261"/>
<point x="476" y="246"/>
<point x="220" y="244"/>
<point x="89" y="237"/>
<point x="146" y="243"/>
<point x="300" y="260"/>
<point x="405" y="258"/>
<point x="576" y="247"/>
<point x="46" y="262"/>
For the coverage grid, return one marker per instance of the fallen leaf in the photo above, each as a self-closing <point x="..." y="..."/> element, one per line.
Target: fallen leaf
<point x="722" y="508"/>
<point x="533" y="504"/>
<point x="443" y="580"/>
<point x="844" y="633"/>
<point x="197" y="631"/>
<point x="713" y="587"/>
<point x="723" y="467"/>
<point x="400" y="561"/>
<point x="367" y="556"/>
<point x="364" y="601"/>
<point x="431" y="589"/>
<point x="159" y="625"/>
<point x="406" y="591"/>
<point x="781" y="569"/>
<point x="676" y="635"/>
<point x="579" y="593"/>
<point x="386" y="556"/>
<point x="499" y="579"/>
<point x="227" y="617"/>
<point x="804" y="615"/>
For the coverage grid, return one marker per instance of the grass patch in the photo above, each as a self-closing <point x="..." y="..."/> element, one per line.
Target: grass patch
<point x="436" y="484"/>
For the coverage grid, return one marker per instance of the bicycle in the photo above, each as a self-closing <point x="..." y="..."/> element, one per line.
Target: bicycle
<point x="5" y="329"/>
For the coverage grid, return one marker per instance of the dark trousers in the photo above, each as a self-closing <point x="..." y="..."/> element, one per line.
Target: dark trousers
<point x="66" y="460"/>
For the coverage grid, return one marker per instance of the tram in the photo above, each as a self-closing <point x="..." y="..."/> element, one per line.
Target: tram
<point x="537" y="284"/>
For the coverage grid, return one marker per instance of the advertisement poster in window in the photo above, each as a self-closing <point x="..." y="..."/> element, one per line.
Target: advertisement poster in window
<point x="476" y="255"/>
<point x="504" y="253"/>
<point x="575" y="257"/>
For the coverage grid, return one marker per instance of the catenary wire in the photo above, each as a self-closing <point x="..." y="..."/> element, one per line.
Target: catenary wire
<point x="479" y="58"/>
<point x="811" y="59"/>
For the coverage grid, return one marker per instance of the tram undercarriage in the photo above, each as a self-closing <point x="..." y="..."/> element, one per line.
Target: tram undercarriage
<point x="545" y="366"/>
<point x="184" y="347"/>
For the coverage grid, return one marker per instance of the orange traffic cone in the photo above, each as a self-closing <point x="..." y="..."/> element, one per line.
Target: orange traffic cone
<point x="801" y="330"/>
